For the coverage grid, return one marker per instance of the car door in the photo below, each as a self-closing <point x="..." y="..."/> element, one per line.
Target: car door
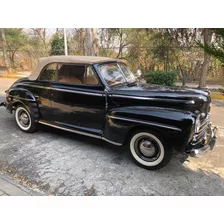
<point x="78" y="99"/>
<point x="41" y="88"/>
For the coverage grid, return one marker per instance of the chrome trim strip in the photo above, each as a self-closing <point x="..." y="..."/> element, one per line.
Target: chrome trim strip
<point x="21" y="98"/>
<point x="146" y="122"/>
<point x="70" y="130"/>
<point x="107" y="140"/>
<point x="64" y="90"/>
<point x="154" y="99"/>
<point x="79" y="132"/>
<point x="78" y="92"/>
<point x="41" y="87"/>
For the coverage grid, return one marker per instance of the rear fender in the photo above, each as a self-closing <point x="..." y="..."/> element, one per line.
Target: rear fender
<point x="22" y="96"/>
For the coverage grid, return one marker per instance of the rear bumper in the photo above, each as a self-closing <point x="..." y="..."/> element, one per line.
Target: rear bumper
<point x="207" y="143"/>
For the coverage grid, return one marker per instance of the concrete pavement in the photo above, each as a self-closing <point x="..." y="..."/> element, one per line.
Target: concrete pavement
<point x="9" y="187"/>
<point x="61" y="163"/>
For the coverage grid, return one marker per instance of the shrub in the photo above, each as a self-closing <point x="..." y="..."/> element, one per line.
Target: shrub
<point x="161" y="78"/>
<point x="217" y="96"/>
<point x="57" y="45"/>
<point x="222" y="91"/>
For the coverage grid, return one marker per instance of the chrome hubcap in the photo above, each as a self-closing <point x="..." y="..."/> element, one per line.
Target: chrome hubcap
<point x="147" y="148"/>
<point x="24" y="119"/>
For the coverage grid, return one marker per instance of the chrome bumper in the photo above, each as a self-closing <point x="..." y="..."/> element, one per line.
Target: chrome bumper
<point x="207" y="144"/>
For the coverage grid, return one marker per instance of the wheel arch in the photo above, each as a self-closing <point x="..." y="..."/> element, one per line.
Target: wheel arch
<point x="31" y="106"/>
<point x="145" y="128"/>
<point x="15" y="104"/>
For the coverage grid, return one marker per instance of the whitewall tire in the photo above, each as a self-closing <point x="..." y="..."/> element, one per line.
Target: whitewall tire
<point x="149" y="151"/>
<point x="24" y="119"/>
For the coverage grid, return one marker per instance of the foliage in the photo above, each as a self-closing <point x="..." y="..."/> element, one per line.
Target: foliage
<point x="216" y="49"/>
<point x="15" y="40"/>
<point x="166" y="49"/>
<point x="218" y="95"/>
<point x="222" y="91"/>
<point x="76" y="41"/>
<point x="57" y="44"/>
<point x="161" y="78"/>
<point x="37" y="43"/>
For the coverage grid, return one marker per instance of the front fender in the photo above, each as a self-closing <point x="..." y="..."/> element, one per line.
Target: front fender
<point x="170" y="123"/>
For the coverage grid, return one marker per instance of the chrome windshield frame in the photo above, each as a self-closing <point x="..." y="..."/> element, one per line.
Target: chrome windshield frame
<point x="122" y="73"/>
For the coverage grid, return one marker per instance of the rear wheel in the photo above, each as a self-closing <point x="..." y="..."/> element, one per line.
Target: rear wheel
<point x="149" y="150"/>
<point x="24" y="120"/>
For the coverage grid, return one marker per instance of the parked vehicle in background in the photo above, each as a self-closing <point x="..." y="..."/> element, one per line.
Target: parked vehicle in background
<point x="99" y="97"/>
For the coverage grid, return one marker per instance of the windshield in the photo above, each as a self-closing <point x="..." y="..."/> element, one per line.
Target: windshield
<point x="116" y="73"/>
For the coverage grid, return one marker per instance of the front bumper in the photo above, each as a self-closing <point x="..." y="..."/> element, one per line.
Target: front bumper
<point x="206" y="144"/>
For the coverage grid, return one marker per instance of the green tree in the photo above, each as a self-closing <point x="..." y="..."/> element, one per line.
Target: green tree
<point x="15" y="39"/>
<point x="216" y="48"/>
<point x="57" y="44"/>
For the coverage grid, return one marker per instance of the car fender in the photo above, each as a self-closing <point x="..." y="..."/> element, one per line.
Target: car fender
<point x="170" y="123"/>
<point x="22" y="96"/>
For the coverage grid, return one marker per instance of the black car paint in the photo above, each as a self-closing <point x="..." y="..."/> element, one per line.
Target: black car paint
<point x="95" y="109"/>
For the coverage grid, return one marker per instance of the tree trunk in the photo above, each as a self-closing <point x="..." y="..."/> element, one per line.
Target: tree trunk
<point x="91" y="42"/>
<point x="207" y="40"/>
<point x="184" y="78"/>
<point x="197" y="70"/>
<point x="4" y="46"/>
<point x="95" y="41"/>
<point x="12" y="58"/>
<point x="88" y="44"/>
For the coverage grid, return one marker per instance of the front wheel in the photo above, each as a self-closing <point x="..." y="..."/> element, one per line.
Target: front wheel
<point x="149" y="150"/>
<point x="24" y="120"/>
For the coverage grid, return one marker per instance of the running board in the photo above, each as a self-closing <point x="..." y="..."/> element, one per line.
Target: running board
<point x="79" y="132"/>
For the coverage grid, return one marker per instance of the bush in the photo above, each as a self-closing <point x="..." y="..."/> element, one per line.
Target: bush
<point x="57" y="45"/>
<point x="222" y="91"/>
<point x="161" y="78"/>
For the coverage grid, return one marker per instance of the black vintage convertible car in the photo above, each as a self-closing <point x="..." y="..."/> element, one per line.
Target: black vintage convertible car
<point x="99" y="97"/>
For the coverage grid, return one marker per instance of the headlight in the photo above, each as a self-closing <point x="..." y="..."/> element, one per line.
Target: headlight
<point x="197" y="124"/>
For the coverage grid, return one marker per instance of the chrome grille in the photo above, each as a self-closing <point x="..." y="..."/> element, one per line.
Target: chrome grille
<point x="202" y="131"/>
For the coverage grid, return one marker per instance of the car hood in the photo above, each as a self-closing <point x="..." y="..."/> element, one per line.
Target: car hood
<point x="163" y="96"/>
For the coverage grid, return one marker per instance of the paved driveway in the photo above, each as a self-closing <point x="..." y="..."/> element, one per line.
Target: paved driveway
<point x="62" y="163"/>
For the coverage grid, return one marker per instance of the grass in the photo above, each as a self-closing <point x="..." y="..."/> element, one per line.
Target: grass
<point x="9" y="75"/>
<point x="217" y="96"/>
<point x="12" y="75"/>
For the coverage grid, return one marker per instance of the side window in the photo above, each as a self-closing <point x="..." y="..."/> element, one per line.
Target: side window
<point x="73" y="74"/>
<point x="90" y="77"/>
<point x="49" y="73"/>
